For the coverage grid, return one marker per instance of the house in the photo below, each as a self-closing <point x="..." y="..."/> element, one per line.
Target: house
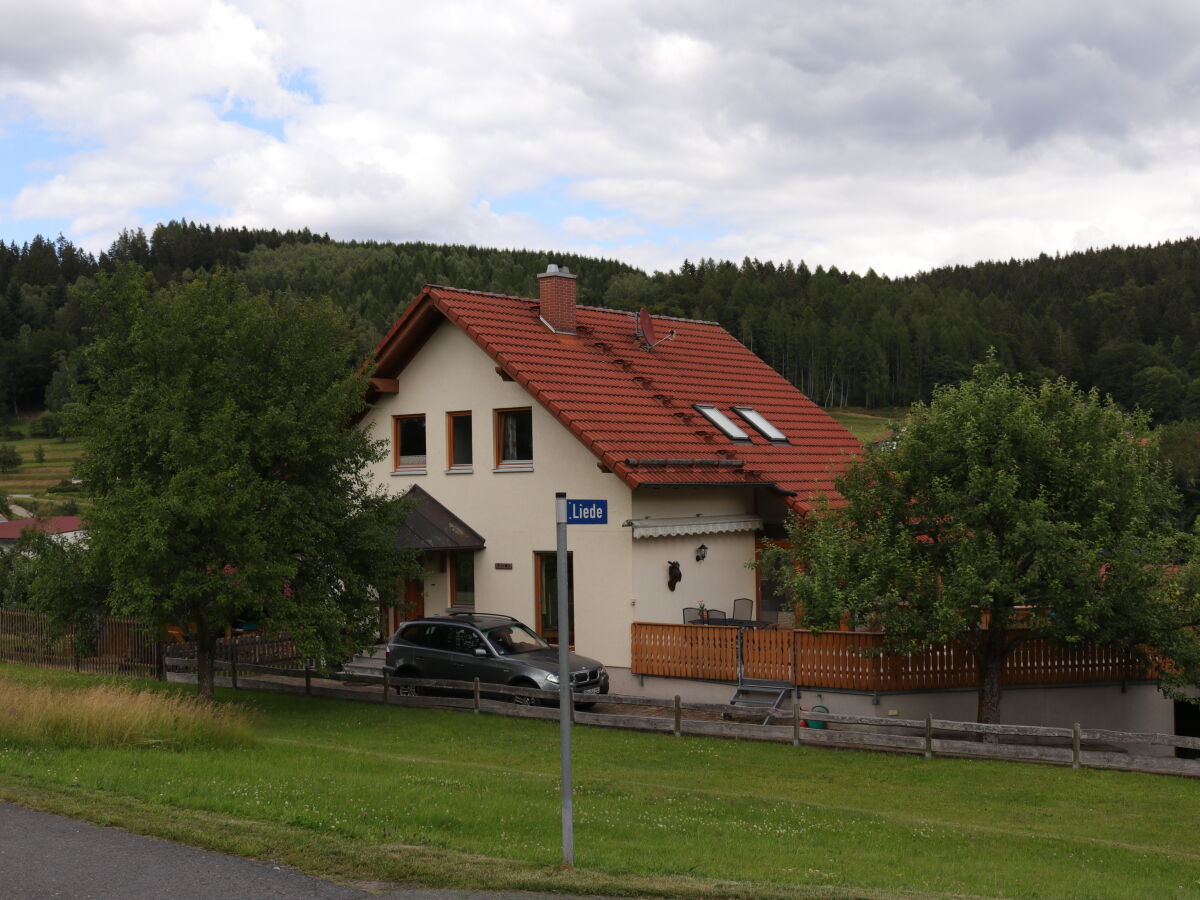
<point x="491" y="404"/>
<point x="67" y="528"/>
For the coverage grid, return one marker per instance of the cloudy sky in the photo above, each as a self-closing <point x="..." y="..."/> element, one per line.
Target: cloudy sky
<point x="898" y="136"/>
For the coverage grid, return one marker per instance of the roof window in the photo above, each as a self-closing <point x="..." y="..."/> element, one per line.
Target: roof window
<point x="722" y="421"/>
<point x="760" y="424"/>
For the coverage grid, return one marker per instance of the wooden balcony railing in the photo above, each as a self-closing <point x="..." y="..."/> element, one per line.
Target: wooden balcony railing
<point x="835" y="659"/>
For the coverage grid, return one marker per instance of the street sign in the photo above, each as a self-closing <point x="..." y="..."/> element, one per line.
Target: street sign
<point x="587" y="512"/>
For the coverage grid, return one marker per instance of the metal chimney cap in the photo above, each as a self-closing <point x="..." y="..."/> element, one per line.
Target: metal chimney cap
<point x="555" y="269"/>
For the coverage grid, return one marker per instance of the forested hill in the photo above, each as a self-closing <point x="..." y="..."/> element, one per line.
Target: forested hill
<point x="43" y="281"/>
<point x="1122" y="319"/>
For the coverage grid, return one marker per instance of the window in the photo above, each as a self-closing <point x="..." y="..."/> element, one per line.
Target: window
<point x="425" y="635"/>
<point x="462" y="580"/>
<point x="408" y="441"/>
<point x="514" y="440"/>
<point x="722" y="421"/>
<point x="464" y="640"/>
<point x="546" y="572"/>
<point x="760" y="424"/>
<point x="458" y="442"/>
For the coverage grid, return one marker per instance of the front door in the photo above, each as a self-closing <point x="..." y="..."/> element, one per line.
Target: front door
<point x="409" y="605"/>
<point x="546" y="591"/>
<point x="414" y="598"/>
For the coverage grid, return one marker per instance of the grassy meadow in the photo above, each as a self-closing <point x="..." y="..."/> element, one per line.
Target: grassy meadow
<point x="865" y="425"/>
<point x="115" y="715"/>
<point x="365" y="793"/>
<point x="34" y="476"/>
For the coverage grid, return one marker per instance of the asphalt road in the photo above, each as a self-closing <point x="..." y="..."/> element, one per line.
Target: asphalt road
<point x="47" y="856"/>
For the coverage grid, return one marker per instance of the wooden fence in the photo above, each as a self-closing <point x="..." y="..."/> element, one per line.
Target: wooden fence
<point x="127" y="647"/>
<point x="123" y="646"/>
<point x="849" y="660"/>
<point x="1075" y="746"/>
<point x="277" y="649"/>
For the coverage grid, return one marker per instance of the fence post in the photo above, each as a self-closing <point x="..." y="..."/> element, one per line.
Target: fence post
<point x="307" y="677"/>
<point x="160" y="662"/>
<point x="1075" y="746"/>
<point x="678" y="717"/>
<point x="796" y="720"/>
<point x="476" y="695"/>
<point x="233" y="641"/>
<point x="387" y="687"/>
<point x="929" y="735"/>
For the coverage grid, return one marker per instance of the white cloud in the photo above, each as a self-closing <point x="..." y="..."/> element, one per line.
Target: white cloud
<point x="898" y="137"/>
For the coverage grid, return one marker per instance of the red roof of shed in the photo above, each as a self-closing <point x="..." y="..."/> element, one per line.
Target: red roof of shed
<point x="633" y="407"/>
<point x="11" y="530"/>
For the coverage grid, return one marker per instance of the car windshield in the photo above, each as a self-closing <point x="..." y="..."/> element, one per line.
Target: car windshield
<point x="509" y="639"/>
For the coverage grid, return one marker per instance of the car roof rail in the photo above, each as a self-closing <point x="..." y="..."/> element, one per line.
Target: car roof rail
<point x="472" y="614"/>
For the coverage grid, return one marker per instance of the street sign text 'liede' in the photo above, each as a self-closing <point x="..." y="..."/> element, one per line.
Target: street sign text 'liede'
<point x="587" y="512"/>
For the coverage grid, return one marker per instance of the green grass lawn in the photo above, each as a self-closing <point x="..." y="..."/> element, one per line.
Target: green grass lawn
<point x="372" y="793"/>
<point x="865" y="425"/>
<point x="34" y="476"/>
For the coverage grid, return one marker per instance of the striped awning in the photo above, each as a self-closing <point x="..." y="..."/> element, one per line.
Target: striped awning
<point x="653" y="526"/>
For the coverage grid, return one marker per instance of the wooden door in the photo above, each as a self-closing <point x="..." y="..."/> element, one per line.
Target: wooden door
<point x="410" y="605"/>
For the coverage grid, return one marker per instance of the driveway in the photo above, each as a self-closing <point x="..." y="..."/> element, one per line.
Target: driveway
<point x="47" y="856"/>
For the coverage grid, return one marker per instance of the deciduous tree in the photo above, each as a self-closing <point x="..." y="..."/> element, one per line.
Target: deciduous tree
<point x="227" y="481"/>
<point x="1002" y="512"/>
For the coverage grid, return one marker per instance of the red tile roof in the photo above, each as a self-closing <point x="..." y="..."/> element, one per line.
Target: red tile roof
<point x="633" y="407"/>
<point x="11" y="530"/>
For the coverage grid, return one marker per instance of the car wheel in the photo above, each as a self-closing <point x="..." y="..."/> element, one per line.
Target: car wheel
<point x="525" y="699"/>
<point x="408" y="690"/>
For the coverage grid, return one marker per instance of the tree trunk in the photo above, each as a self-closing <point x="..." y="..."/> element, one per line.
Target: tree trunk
<point x="989" y="692"/>
<point x="990" y="653"/>
<point x="205" y="646"/>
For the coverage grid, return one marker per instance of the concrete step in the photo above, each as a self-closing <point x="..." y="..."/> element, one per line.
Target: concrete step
<point x="369" y="662"/>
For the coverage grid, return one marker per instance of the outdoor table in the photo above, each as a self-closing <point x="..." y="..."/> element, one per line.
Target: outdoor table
<point x="740" y="623"/>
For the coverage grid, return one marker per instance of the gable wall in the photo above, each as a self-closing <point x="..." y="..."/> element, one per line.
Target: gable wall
<point x="514" y="511"/>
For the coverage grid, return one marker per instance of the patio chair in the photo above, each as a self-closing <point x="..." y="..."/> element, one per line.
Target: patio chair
<point x="690" y="614"/>
<point x="743" y="608"/>
<point x="717" y="615"/>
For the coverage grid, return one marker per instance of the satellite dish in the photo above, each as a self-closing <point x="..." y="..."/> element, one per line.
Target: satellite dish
<point x="645" y="327"/>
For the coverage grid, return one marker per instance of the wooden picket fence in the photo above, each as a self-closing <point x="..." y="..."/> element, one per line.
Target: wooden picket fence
<point x="127" y="647"/>
<point x="1076" y="746"/>
<point x="123" y="646"/>
<point x="276" y="649"/>
<point x="851" y="660"/>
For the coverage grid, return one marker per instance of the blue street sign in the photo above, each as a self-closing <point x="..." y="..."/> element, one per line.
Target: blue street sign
<point x="587" y="512"/>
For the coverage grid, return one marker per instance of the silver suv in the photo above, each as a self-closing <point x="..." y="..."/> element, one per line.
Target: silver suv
<point x="495" y="649"/>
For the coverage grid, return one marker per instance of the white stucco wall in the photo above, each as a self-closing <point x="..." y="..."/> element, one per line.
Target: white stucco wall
<point x="514" y="511"/>
<point x="716" y="581"/>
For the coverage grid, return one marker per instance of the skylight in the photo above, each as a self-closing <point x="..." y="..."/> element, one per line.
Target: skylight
<point x="760" y="424"/>
<point x="722" y="421"/>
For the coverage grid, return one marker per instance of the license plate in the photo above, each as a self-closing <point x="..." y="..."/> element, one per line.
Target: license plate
<point x="595" y="689"/>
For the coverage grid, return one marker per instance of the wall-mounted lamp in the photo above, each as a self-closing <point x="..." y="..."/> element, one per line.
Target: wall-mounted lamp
<point x="701" y="553"/>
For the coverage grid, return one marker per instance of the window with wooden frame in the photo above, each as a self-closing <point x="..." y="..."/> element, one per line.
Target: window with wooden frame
<point x="459" y="455"/>
<point x="546" y="587"/>
<point x="462" y="579"/>
<point x="408" y="444"/>
<point x="514" y="440"/>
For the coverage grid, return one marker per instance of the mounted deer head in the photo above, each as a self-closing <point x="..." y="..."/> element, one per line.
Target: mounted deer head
<point x="674" y="575"/>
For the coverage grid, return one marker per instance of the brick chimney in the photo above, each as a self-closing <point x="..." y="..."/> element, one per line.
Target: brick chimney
<point x="556" y="293"/>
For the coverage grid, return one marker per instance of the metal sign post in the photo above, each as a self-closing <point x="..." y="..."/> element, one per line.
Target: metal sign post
<point x="564" y="681"/>
<point x="569" y="512"/>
